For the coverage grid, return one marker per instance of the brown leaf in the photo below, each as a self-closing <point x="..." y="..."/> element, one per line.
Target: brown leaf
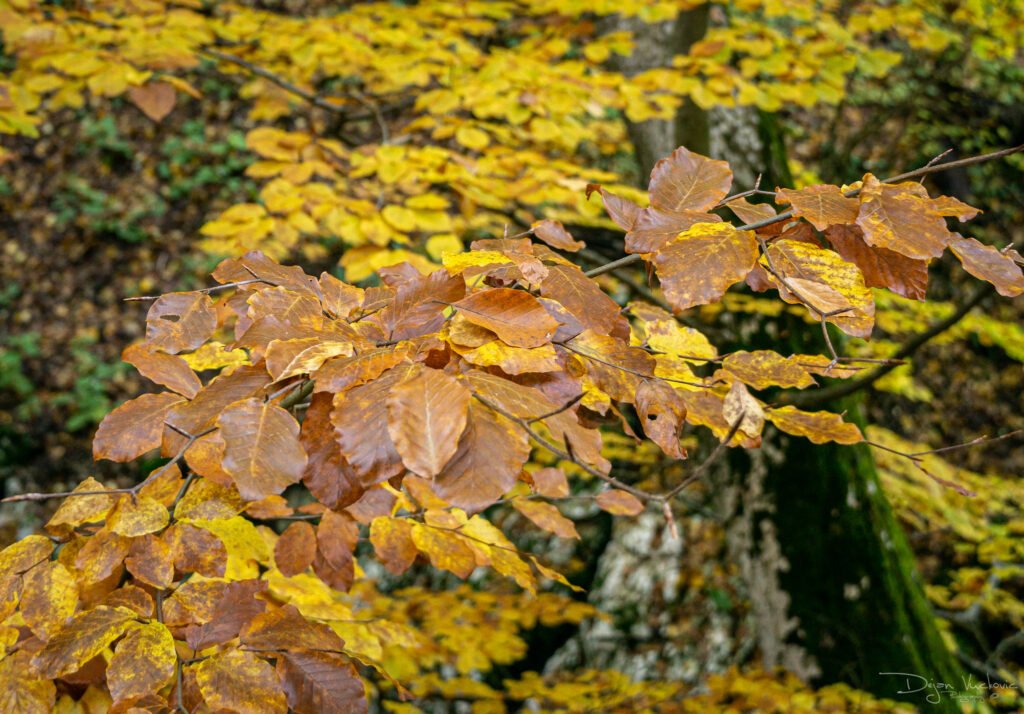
<point x="339" y="298"/>
<point x="85" y="635"/>
<point x="546" y="517"/>
<point x="19" y="691"/>
<point x="290" y="358"/>
<point x="137" y="516"/>
<point x="419" y="305"/>
<point x="554" y="234"/>
<point x="201" y="413"/>
<point x="488" y="461"/>
<point x="654" y="228"/>
<point x="751" y="212"/>
<point x="237" y="606"/>
<point x="262" y="449"/>
<point x="823" y="205"/>
<point x="614" y="366"/>
<point x="48" y="598"/>
<point x="698" y="266"/>
<point x="134" y="428"/>
<point x="897" y="217"/>
<point x="763" y="368"/>
<point x="143" y="662"/>
<point x="740" y="406"/>
<point x="240" y="682"/>
<point x="151" y="561"/>
<point x="392" y="541"/>
<point x="360" y="418"/>
<point x="286" y="630"/>
<point x="156" y="100"/>
<point x="167" y="370"/>
<point x="621" y="210"/>
<point x="339" y="374"/>
<point x="881" y="267"/>
<point x="514" y="315"/>
<point x="336" y="538"/>
<point x="100" y="557"/>
<point x="619" y="503"/>
<point x="688" y="181"/>
<point x="582" y="297"/>
<point x="196" y="550"/>
<point x="179" y="322"/>
<point x="295" y="549"/>
<point x="256" y="264"/>
<point x="661" y="413"/>
<point x="328" y="476"/>
<point x="550" y="482"/>
<point x="989" y="264"/>
<point x="321" y="683"/>
<point x="819" y="427"/>
<point x="426" y="416"/>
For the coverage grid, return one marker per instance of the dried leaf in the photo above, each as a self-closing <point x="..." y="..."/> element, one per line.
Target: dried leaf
<point x="621" y="210"/>
<point x="328" y="476"/>
<point x="197" y="550"/>
<point x="151" y="560"/>
<point x="136" y="516"/>
<point x="819" y="427"/>
<point x="295" y="549"/>
<point x="582" y="298"/>
<point x="490" y="456"/>
<point x="392" y="541"/>
<point x="550" y="482"/>
<point x="661" y="413"/>
<point x="823" y="205"/>
<point x="619" y="503"/>
<point x="554" y="234"/>
<point x="48" y="598"/>
<point x="426" y="415"/>
<point x="134" y="428"/>
<point x="179" y="322"/>
<point x="22" y="693"/>
<point x="446" y="550"/>
<point x="336" y="538"/>
<point x="514" y="315"/>
<point x="166" y="370"/>
<point x="688" y="181"/>
<point x="321" y="683"/>
<point x="84" y="636"/>
<point x="654" y="228"/>
<point x="240" y="682"/>
<point x="988" y="263"/>
<point x="77" y="510"/>
<point x="156" y="100"/>
<point x="761" y="369"/>
<point x="881" y="267"/>
<point x="546" y="517"/>
<point x="262" y="449"/>
<point x="740" y="406"/>
<point x="698" y="266"/>
<point x="899" y="218"/>
<point x="143" y="662"/>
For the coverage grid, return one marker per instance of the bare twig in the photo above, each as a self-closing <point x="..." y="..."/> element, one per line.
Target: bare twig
<point x="215" y="288"/>
<point x="704" y="465"/>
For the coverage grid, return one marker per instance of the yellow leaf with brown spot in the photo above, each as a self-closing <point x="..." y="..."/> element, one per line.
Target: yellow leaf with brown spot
<point x="699" y="265"/>
<point x="240" y="682"/>
<point x="819" y="427"/>
<point x="137" y="516"/>
<point x="143" y="662"/>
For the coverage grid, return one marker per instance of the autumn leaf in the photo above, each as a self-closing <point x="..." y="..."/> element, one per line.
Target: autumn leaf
<point x="156" y="100"/>
<point x="426" y="415"/>
<point x="179" y="322"/>
<point x="336" y="538"/>
<point x="134" y="428"/>
<point x="295" y="549"/>
<point x="166" y="370"/>
<point x="240" y="682"/>
<point x="151" y="561"/>
<point x="554" y="234"/>
<point x="490" y="455"/>
<point x="699" y="265"/>
<point x="761" y="369"/>
<point x="582" y="297"/>
<point x="84" y="636"/>
<point x="550" y="482"/>
<point x="988" y="263"/>
<point x="661" y="413"/>
<point x="48" y="598"/>
<point x="688" y="181"/>
<point x="740" y="407"/>
<point x="619" y="503"/>
<point x="136" y="516"/>
<point x="197" y="550"/>
<point x="546" y="517"/>
<point x="898" y="217"/>
<point x="622" y="211"/>
<point x="143" y="662"/>
<point x="20" y="692"/>
<point x="823" y="205"/>
<point x="321" y="683"/>
<point x="328" y="476"/>
<point x="392" y="541"/>
<point x="654" y="228"/>
<point x="81" y="509"/>
<point x="881" y="267"/>
<point x="515" y="316"/>
<point x="446" y="550"/>
<point x="262" y="449"/>
<point x="819" y="427"/>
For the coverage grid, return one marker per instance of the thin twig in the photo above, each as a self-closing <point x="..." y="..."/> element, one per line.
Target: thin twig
<point x="215" y="288"/>
<point x="704" y="465"/>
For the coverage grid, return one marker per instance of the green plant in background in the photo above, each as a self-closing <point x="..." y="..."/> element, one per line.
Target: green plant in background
<point x="14" y="350"/>
<point x="192" y="161"/>
<point x="87" y="399"/>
